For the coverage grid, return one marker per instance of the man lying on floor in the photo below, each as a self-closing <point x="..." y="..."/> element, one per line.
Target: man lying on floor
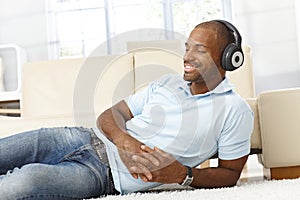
<point x="157" y="136"/>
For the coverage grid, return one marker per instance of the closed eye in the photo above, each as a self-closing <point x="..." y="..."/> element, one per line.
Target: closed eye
<point x="201" y="51"/>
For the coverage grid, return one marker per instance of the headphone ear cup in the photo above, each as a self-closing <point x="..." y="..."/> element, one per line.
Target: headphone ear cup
<point x="232" y="57"/>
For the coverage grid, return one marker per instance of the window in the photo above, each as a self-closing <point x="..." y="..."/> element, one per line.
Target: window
<point x="77" y="27"/>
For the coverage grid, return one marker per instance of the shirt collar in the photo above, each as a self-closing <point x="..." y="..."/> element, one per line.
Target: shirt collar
<point x="223" y="87"/>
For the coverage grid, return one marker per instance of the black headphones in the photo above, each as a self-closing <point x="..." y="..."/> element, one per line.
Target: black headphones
<point x="233" y="56"/>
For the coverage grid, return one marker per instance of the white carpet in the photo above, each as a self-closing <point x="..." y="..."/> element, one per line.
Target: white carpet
<point x="266" y="190"/>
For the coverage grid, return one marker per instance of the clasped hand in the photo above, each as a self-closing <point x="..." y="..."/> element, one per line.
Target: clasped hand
<point x="153" y="165"/>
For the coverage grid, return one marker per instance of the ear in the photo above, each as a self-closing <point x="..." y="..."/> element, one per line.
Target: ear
<point x="232" y="57"/>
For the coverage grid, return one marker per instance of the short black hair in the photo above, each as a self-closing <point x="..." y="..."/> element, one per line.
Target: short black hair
<point x="224" y="35"/>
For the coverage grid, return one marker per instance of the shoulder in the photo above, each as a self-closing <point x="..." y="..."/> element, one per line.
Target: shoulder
<point x="170" y="78"/>
<point x="239" y="115"/>
<point x="236" y="103"/>
<point x="229" y="99"/>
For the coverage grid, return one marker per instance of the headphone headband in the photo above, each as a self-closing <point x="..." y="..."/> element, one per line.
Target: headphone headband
<point x="233" y="56"/>
<point x="233" y="29"/>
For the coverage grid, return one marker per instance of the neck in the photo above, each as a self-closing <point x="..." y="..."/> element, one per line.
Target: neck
<point x="204" y="87"/>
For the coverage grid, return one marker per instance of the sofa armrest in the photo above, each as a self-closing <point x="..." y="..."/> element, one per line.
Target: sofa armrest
<point x="279" y="113"/>
<point x="256" y="135"/>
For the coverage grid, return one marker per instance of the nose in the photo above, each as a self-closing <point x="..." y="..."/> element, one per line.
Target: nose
<point x="188" y="56"/>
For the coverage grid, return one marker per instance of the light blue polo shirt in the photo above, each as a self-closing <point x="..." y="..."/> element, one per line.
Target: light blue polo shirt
<point x="190" y="127"/>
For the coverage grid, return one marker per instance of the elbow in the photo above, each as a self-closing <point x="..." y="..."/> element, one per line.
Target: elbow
<point x="98" y="122"/>
<point x="100" y="119"/>
<point x="233" y="180"/>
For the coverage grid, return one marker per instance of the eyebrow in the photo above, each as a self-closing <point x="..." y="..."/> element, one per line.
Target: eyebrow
<point x="198" y="45"/>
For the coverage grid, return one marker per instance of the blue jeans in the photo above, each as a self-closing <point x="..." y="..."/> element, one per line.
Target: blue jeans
<point x="54" y="163"/>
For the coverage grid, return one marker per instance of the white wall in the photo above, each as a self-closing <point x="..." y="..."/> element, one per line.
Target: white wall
<point x="23" y="22"/>
<point x="269" y="27"/>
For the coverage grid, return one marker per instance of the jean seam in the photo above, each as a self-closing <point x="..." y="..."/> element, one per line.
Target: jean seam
<point x="48" y="195"/>
<point x="69" y="155"/>
<point x="93" y="169"/>
<point x="109" y="187"/>
<point x="82" y="148"/>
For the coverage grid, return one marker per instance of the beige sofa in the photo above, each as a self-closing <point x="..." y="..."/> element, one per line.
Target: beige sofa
<point x="74" y="92"/>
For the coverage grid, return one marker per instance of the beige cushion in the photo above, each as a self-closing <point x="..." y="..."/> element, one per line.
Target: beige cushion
<point x="48" y="87"/>
<point x="115" y="83"/>
<point x="164" y="45"/>
<point x="1" y="76"/>
<point x="151" y="65"/>
<point x="242" y="78"/>
<point x="75" y="86"/>
<point x="255" y="137"/>
<point x="279" y="113"/>
<point x="13" y="125"/>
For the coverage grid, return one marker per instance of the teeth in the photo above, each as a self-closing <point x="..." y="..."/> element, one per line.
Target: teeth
<point x="188" y="66"/>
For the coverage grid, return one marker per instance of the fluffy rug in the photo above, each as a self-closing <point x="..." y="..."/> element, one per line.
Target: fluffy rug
<point x="266" y="190"/>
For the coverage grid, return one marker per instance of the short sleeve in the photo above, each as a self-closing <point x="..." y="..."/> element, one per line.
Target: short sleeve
<point x="137" y="101"/>
<point x="234" y="141"/>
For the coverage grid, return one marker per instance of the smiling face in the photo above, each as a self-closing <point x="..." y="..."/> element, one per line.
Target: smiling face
<point x="202" y="60"/>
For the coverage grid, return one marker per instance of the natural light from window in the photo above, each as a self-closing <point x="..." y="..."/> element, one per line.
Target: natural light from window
<point x="77" y="27"/>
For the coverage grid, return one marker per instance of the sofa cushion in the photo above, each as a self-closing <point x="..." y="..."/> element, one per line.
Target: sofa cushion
<point x="75" y="86"/>
<point x="279" y="113"/>
<point x="162" y="45"/>
<point x="242" y="78"/>
<point x="13" y="125"/>
<point x="255" y="137"/>
<point x="1" y="76"/>
<point x="151" y="65"/>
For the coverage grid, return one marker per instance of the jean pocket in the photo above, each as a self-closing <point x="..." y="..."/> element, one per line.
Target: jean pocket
<point x="78" y="154"/>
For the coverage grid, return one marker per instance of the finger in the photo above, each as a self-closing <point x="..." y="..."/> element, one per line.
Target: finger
<point x="144" y="178"/>
<point x="164" y="157"/>
<point x="152" y="158"/>
<point x="146" y="149"/>
<point x="161" y="152"/>
<point x="134" y="175"/>
<point x="146" y="173"/>
<point x="147" y="160"/>
<point x="151" y="155"/>
<point x="143" y="172"/>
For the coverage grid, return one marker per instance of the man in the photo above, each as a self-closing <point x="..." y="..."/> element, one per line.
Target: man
<point x="157" y="136"/>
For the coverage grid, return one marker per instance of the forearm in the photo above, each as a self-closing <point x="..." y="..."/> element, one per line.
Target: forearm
<point x="214" y="177"/>
<point x="112" y="125"/>
<point x="112" y="122"/>
<point x="225" y="175"/>
<point x="169" y="170"/>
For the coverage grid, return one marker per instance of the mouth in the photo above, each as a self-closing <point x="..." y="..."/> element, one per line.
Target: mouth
<point x="188" y="68"/>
